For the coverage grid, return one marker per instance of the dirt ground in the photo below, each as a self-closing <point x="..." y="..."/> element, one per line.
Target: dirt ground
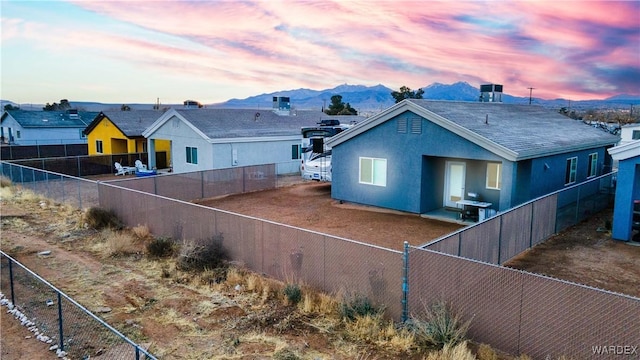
<point x="586" y="254"/>
<point x="183" y="319"/>
<point x="309" y="205"/>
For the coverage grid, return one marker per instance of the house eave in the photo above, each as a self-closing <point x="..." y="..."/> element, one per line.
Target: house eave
<point x="254" y="139"/>
<point x="626" y="151"/>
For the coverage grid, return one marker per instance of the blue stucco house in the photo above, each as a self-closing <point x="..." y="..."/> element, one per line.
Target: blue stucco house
<point x="420" y="155"/>
<point x="627" y="200"/>
<point x="24" y="127"/>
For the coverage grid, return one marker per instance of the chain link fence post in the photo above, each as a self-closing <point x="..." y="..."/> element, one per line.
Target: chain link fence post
<point x="60" y="321"/>
<point x="13" y="297"/>
<point x="405" y="282"/>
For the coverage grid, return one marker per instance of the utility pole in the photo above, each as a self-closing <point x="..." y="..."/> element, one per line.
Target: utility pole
<point x="530" y="92"/>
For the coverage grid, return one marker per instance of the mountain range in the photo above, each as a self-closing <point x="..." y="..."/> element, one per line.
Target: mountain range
<point x="370" y="99"/>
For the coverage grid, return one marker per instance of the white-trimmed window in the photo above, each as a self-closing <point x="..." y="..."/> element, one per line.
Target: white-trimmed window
<point x="494" y="176"/>
<point x="570" y="172"/>
<point x="593" y="165"/>
<point x="296" y="152"/>
<point x="373" y="171"/>
<point x="635" y="135"/>
<point x="99" y="146"/>
<point x="192" y="155"/>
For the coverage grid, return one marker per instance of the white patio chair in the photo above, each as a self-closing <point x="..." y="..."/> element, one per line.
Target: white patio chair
<point x="124" y="170"/>
<point x="140" y="166"/>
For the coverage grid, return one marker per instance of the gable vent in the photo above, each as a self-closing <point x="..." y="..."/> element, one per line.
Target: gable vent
<point x="416" y="126"/>
<point x="402" y="126"/>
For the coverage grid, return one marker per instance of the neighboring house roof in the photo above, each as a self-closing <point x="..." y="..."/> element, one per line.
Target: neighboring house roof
<point x="49" y="119"/>
<point x="512" y="131"/>
<point x="215" y="124"/>
<point x="626" y="151"/>
<point x="131" y="123"/>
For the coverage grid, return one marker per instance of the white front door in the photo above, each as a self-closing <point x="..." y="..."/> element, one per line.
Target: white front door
<point x="454" y="182"/>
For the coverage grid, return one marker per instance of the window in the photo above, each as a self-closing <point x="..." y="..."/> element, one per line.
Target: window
<point x="593" y="165"/>
<point x="570" y="173"/>
<point x="82" y="134"/>
<point x="635" y="135"/>
<point x="99" y="146"/>
<point x="296" y="151"/>
<point x="192" y="155"/>
<point x="494" y="175"/>
<point x="18" y="134"/>
<point x="373" y="171"/>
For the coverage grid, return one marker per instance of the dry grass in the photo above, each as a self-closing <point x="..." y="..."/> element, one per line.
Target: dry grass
<point x="449" y="352"/>
<point x="113" y="243"/>
<point x="141" y="232"/>
<point x="374" y="329"/>
<point x="486" y="352"/>
<point x="5" y="182"/>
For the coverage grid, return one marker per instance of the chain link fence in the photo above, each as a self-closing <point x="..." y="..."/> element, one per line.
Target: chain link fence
<point x="520" y="312"/>
<point x="500" y="238"/>
<point x="58" y="320"/>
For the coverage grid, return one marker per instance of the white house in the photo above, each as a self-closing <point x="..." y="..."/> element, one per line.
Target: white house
<point x="204" y="139"/>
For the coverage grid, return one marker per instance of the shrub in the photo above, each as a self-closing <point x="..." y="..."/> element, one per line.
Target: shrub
<point x="451" y="352"/>
<point x="438" y="326"/>
<point x="199" y="255"/>
<point x="5" y="181"/>
<point x="160" y="247"/>
<point x="486" y="352"/>
<point x="285" y="354"/>
<point x="293" y="293"/>
<point x="358" y="306"/>
<point x="118" y="243"/>
<point x="607" y="224"/>
<point x="141" y="231"/>
<point x="99" y="218"/>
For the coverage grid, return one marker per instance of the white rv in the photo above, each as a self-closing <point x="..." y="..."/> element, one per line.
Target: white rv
<point x="316" y="156"/>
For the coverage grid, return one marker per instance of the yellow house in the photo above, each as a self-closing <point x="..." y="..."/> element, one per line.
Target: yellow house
<point x="120" y="132"/>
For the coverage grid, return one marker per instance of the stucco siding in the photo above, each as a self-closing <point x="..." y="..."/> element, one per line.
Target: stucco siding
<point x="414" y="183"/>
<point x="548" y="173"/>
<point x="253" y="153"/>
<point x="183" y="136"/>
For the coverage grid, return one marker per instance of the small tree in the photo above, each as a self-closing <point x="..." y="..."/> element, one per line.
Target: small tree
<point x="338" y="107"/>
<point x="406" y="93"/>
<point x="125" y="107"/>
<point x="11" y="107"/>
<point x="64" y="105"/>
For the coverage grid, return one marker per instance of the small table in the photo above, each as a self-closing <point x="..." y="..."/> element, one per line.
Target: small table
<point x="481" y="205"/>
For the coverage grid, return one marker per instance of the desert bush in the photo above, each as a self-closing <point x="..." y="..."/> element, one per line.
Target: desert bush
<point x="486" y="352"/>
<point x="285" y="354"/>
<point x="5" y="181"/>
<point x="160" y="247"/>
<point x="117" y="243"/>
<point x="438" y="326"/>
<point x="141" y="231"/>
<point x="199" y="255"/>
<point x="99" y="218"/>
<point x="452" y="352"/>
<point x="293" y="293"/>
<point x="357" y="306"/>
<point x="213" y="276"/>
<point x="607" y="224"/>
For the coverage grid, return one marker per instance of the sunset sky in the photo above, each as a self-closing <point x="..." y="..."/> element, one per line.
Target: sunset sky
<point x="212" y="51"/>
